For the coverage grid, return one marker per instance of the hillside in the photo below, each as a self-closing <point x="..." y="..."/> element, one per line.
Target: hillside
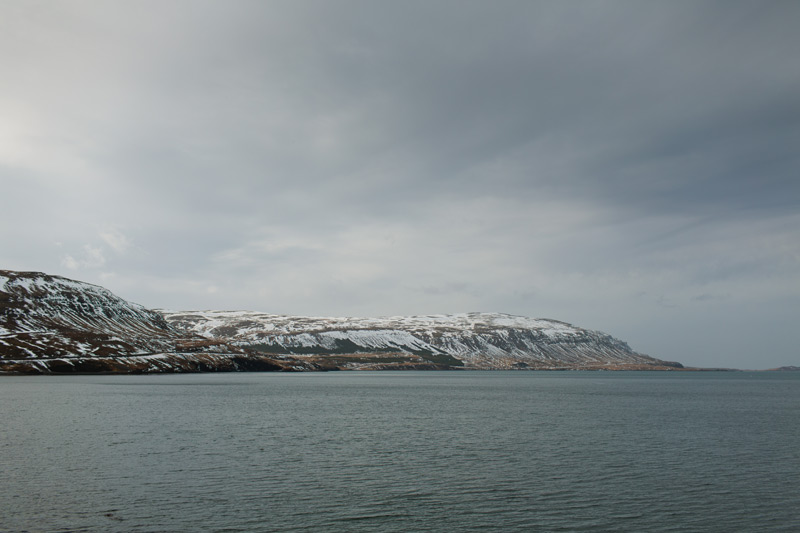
<point x="471" y="340"/>
<point x="54" y="324"/>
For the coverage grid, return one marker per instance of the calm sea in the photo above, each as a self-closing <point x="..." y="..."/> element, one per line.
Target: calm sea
<point x="401" y="451"/>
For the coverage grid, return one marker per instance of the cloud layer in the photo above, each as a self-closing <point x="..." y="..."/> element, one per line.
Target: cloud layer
<point x="625" y="166"/>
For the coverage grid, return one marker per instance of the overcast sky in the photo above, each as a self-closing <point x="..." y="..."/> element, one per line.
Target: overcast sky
<point x="627" y="166"/>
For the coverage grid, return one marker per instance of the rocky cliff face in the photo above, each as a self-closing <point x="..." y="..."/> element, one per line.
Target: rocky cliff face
<point x="472" y="340"/>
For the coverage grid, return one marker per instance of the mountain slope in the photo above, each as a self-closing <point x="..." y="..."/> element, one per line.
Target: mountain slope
<point x="53" y="324"/>
<point x="472" y="340"/>
<point x="49" y="323"/>
<point x="50" y="316"/>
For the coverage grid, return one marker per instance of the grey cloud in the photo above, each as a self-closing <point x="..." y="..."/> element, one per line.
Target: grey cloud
<point x="357" y="157"/>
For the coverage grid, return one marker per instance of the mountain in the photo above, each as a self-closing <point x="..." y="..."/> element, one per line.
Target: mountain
<point x="471" y="340"/>
<point x="54" y="324"/>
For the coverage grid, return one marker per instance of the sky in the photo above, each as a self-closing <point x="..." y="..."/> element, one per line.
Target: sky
<point x="626" y="166"/>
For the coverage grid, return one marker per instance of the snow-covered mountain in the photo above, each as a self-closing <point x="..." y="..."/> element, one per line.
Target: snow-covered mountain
<point x="53" y="324"/>
<point x="53" y="316"/>
<point x="471" y="340"/>
<point x="49" y="323"/>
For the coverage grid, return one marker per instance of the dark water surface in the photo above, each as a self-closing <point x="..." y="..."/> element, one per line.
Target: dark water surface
<point x="402" y="451"/>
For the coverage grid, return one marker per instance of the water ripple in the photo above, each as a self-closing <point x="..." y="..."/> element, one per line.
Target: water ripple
<point x="390" y="452"/>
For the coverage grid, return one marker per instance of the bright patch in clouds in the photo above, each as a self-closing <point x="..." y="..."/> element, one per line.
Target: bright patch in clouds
<point x="116" y="240"/>
<point x="91" y="257"/>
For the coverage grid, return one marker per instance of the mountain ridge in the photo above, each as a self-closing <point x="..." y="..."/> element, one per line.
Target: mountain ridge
<point x="54" y="324"/>
<point x="469" y="340"/>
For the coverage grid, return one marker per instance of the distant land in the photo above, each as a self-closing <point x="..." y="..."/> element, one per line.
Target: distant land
<point x="51" y="324"/>
<point x="487" y="341"/>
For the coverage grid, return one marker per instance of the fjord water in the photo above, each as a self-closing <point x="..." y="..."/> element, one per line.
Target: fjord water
<point x="402" y="451"/>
